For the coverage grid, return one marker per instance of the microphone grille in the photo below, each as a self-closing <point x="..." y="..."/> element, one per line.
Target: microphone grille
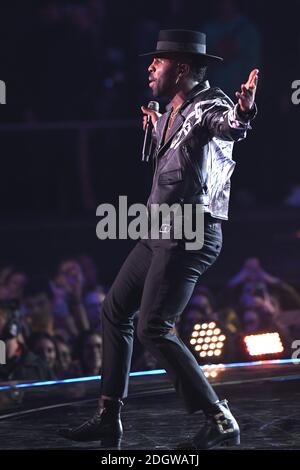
<point x="154" y="105"/>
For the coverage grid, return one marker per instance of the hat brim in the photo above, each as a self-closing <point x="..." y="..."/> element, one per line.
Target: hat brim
<point x="197" y="55"/>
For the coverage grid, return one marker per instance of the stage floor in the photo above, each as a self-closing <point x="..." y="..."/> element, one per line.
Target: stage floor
<point x="265" y="399"/>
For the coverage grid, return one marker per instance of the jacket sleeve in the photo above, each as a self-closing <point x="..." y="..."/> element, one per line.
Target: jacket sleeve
<point x="224" y="120"/>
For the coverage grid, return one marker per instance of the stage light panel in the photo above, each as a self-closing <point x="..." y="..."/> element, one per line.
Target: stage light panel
<point x="266" y="343"/>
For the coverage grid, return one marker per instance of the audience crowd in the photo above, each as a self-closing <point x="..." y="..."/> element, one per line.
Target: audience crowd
<point x="52" y="327"/>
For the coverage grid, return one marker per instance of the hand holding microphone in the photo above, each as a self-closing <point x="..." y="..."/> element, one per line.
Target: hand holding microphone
<point x="151" y="115"/>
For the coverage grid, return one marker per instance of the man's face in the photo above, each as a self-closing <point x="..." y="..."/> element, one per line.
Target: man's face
<point x="69" y="271"/>
<point x="93" y="303"/>
<point x="45" y="349"/>
<point x="39" y="312"/>
<point x="162" y="76"/>
<point x="64" y="355"/>
<point x="16" y="285"/>
<point x="39" y="305"/>
<point x="92" y="356"/>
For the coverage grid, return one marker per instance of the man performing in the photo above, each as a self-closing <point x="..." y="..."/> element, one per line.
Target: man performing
<point x="193" y="164"/>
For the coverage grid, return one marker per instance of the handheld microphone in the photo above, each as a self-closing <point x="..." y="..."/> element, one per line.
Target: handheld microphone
<point x="147" y="144"/>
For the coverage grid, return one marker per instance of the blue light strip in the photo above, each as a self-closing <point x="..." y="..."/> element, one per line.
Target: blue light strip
<point x="147" y="372"/>
<point x="262" y="363"/>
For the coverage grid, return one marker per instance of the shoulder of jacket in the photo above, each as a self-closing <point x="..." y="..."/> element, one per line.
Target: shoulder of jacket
<point x="214" y="93"/>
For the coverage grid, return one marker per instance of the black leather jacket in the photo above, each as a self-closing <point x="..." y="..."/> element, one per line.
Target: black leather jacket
<point x="195" y="164"/>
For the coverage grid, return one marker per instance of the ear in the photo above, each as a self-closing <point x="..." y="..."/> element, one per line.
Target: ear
<point x="184" y="70"/>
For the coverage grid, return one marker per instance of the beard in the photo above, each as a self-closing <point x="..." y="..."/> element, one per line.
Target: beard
<point x="164" y="86"/>
<point x="162" y="90"/>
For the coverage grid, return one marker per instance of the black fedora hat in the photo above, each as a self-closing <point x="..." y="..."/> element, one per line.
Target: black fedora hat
<point x="182" y="41"/>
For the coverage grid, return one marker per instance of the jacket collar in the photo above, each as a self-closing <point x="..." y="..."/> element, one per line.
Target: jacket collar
<point x="179" y="117"/>
<point x="196" y="91"/>
<point x="192" y="94"/>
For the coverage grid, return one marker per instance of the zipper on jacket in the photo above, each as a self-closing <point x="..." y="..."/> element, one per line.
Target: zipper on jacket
<point x="196" y="171"/>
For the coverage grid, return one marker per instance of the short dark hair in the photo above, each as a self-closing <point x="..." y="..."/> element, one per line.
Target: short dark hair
<point x="197" y="65"/>
<point x="198" y="72"/>
<point x="34" y="338"/>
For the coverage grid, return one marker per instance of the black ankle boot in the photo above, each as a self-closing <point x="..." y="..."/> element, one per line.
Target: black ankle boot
<point x="221" y="429"/>
<point x="105" y="426"/>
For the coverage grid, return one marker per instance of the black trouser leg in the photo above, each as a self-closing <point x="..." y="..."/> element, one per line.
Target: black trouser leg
<point x="119" y="307"/>
<point x="168" y="287"/>
<point x="160" y="276"/>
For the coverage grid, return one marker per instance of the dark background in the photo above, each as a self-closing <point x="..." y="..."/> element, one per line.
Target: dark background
<point x="71" y="131"/>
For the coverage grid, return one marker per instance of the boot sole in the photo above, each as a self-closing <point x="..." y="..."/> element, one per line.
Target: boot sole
<point x="230" y="442"/>
<point x="233" y="441"/>
<point x="111" y="442"/>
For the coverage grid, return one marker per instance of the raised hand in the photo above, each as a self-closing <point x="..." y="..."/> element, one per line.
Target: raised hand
<point x="70" y="278"/>
<point x="246" y="96"/>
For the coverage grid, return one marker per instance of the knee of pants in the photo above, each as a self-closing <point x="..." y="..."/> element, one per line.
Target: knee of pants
<point x="107" y="310"/>
<point x="114" y="315"/>
<point x="148" y="333"/>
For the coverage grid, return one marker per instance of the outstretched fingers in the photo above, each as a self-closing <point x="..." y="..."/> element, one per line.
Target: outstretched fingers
<point x="252" y="79"/>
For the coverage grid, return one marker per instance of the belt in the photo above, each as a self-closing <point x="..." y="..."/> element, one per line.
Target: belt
<point x="209" y="218"/>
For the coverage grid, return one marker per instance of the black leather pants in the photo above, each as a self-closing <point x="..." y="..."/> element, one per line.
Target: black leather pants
<point x="158" y="277"/>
